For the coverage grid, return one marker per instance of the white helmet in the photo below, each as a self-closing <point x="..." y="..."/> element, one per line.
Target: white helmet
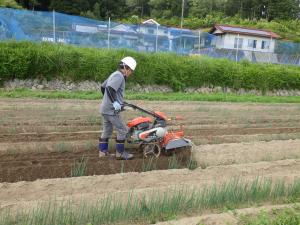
<point x="130" y="62"/>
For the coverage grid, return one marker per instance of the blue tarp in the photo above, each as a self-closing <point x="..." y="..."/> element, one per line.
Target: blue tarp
<point x="57" y="27"/>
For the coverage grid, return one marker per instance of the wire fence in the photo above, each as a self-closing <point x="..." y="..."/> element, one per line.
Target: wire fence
<point x="151" y="37"/>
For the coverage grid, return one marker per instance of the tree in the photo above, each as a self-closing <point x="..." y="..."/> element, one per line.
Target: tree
<point x="283" y="9"/>
<point x="138" y="7"/>
<point x="201" y="8"/>
<point x="97" y="10"/>
<point x="88" y="14"/>
<point x="33" y="3"/>
<point x="166" y="8"/>
<point x="74" y="7"/>
<point x="9" y="4"/>
<point x="114" y="9"/>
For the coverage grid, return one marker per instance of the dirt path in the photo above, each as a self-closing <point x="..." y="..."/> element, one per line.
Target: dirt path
<point x="239" y="153"/>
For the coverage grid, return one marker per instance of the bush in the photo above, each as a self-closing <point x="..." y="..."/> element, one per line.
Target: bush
<point x="25" y="60"/>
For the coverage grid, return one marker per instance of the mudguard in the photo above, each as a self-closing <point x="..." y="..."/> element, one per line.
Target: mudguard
<point x="178" y="143"/>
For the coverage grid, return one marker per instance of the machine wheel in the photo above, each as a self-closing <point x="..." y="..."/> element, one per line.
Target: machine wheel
<point x="151" y="150"/>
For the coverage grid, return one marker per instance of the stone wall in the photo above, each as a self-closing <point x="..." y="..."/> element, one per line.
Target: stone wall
<point x="96" y="86"/>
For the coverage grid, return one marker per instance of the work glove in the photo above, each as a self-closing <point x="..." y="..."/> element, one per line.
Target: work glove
<point x="117" y="106"/>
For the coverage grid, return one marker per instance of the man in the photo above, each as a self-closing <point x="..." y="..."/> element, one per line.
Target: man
<point x="113" y="97"/>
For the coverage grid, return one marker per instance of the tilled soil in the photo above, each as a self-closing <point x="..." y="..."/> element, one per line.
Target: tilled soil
<point x="91" y="188"/>
<point x="42" y="139"/>
<point x="33" y="166"/>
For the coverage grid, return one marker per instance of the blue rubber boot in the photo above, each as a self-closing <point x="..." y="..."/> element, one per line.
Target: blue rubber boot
<point x="120" y="151"/>
<point x="103" y="147"/>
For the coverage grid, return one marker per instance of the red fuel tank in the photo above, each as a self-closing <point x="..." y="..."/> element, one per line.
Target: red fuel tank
<point x="139" y="120"/>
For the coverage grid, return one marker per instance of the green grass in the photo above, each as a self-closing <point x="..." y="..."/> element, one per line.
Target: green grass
<point x="288" y="216"/>
<point x="10" y="4"/>
<point x="174" y="162"/>
<point x="79" y="168"/>
<point x="62" y="147"/>
<point x="149" y="164"/>
<point x="12" y="151"/>
<point x="90" y="146"/>
<point x="142" y="209"/>
<point x="122" y="169"/>
<point x="192" y="164"/>
<point x="172" y="96"/>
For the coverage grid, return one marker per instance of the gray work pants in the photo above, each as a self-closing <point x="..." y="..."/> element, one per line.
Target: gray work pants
<point x="113" y="121"/>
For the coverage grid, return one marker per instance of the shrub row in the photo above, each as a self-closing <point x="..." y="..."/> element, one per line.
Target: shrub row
<point x="25" y="60"/>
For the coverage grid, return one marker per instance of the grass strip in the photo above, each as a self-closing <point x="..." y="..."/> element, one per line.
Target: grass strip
<point x="154" y="96"/>
<point x="156" y="206"/>
<point x="287" y="216"/>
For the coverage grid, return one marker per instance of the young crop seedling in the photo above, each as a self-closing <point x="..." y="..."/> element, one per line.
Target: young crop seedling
<point x="149" y="164"/>
<point x="79" y="169"/>
<point x="63" y="147"/>
<point x="89" y="146"/>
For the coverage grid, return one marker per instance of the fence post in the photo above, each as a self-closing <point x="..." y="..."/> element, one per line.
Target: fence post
<point x="237" y="47"/>
<point x="53" y="18"/>
<point x="181" y="24"/>
<point x="108" y="34"/>
<point x="270" y="50"/>
<point x="156" y="38"/>
<point x="199" y="41"/>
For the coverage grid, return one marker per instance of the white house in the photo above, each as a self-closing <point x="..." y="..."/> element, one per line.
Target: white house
<point x="246" y="39"/>
<point x="166" y="38"/>
<point x="123" y="36"/>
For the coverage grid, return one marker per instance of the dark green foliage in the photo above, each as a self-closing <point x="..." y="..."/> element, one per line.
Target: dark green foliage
<point x="24" y="60"/>
<point x="70" y="7"/>
<point x="246" y="9"/>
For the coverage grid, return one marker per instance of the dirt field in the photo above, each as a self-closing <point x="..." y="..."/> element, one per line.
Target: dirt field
<point x="41" y="139"/>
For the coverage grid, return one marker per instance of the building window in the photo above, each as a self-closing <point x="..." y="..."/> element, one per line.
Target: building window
<point x="252" y="43"/>
<point x="151" y="31"/>
<point x="265" y="45"/>
<point x="238" y="42"/>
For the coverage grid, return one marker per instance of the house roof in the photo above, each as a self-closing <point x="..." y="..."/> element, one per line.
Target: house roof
<point x="124" y="28"/>
<point x="151" y="21"/>
<point x="226" y="29"/>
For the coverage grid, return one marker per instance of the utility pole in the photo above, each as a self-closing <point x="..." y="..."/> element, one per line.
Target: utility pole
<point x="181" y="22"/>
<point x="241" y="9"/>
<point x="108" y="34"/>
<point x="53" y="22"/>
<point x="182" y="10"/>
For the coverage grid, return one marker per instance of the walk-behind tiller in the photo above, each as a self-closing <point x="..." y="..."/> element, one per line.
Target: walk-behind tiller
<point x="153" y="136"/>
